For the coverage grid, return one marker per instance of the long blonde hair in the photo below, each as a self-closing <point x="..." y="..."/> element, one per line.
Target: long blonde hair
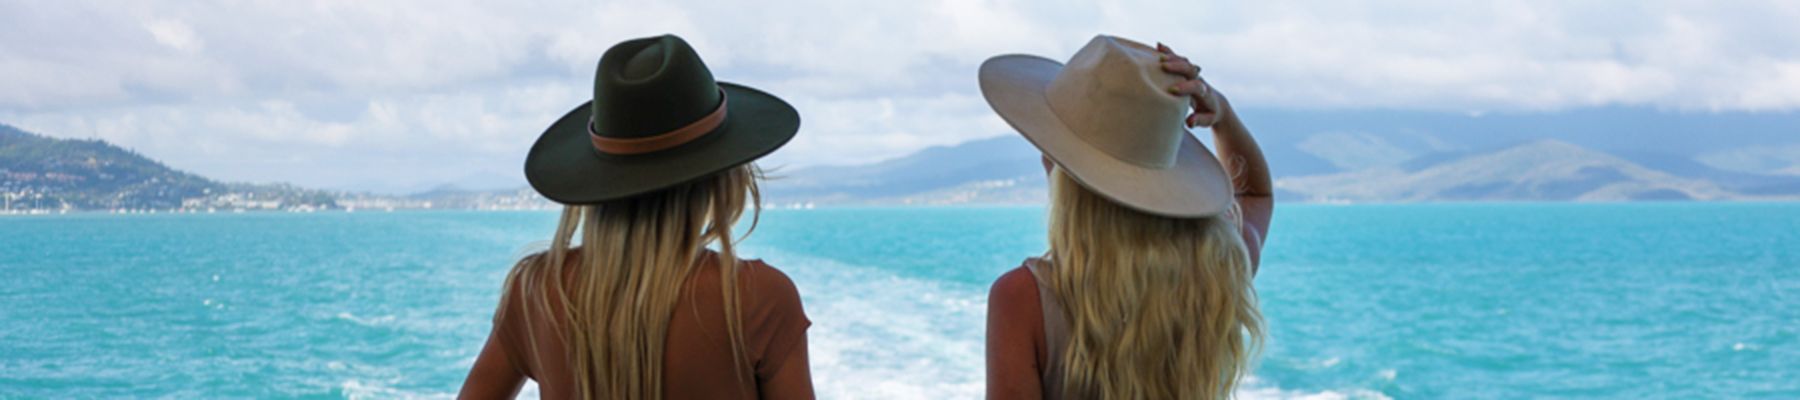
<point x="636" y="256"/>
<point x="1158" y="307"/>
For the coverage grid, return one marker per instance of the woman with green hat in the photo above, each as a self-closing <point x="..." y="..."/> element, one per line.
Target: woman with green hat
<point x="628" y="302"/>
<point x="1145" y="292"/>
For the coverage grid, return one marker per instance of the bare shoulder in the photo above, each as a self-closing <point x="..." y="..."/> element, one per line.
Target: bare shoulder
<point x="528" y="284"/>
<point x="1015" y="322"/>
<point x="527" y="272"/>
<point x="539" y="260"/>
<point x="530" y="261"/>
<point x="1016" y="289"/>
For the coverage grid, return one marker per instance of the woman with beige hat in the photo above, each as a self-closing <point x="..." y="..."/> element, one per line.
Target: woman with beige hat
<point x="1145" y="292"/>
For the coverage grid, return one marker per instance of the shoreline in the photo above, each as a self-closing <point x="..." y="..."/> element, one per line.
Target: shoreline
<point x="822" y="207"/>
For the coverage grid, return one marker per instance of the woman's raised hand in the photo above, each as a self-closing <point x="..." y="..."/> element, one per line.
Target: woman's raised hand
<point x="1210" y="107"/>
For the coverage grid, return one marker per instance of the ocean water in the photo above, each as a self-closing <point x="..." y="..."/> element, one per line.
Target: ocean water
<point x="1404" y="301"/>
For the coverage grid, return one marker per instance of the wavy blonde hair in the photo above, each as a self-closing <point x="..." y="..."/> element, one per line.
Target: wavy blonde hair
<point x="636" y="256"/>
<point x="1158" y="307"/>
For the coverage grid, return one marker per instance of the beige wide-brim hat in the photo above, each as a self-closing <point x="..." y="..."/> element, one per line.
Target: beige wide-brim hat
<point x="1108" y="119"/>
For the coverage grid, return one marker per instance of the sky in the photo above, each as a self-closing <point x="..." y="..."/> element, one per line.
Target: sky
<point x="401" y="96"/>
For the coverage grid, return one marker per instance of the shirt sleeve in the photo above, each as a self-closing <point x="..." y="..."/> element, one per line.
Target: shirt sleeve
<point x="783" y="371"/>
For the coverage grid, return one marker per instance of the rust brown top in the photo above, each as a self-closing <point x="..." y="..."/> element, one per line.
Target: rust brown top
<point x="697" y="360"/>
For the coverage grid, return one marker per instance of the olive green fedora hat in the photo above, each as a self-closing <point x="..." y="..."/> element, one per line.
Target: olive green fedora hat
<point x="657" y="120"/>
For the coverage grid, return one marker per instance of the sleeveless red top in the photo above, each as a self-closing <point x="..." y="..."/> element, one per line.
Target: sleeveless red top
<point x="697" y="360"/>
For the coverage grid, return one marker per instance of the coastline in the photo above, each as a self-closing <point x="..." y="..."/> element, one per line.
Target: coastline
<point x="884" y="206"/>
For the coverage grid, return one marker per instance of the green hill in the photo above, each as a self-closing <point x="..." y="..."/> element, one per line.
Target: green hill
<point x="49" y="173"/>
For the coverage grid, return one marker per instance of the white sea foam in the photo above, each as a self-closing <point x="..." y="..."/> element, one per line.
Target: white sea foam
<point x="880" y="335"/>
<point x="1257" y="393"/>
<point x="1326" y="363"/>
<point x="1389" y="374"/>
<point x="363" y="389"/>
<point x="358" y="389"/>
<point x="877" y="335"/>
<point x="366" y="321"/>
<point x="1254" y="388"/>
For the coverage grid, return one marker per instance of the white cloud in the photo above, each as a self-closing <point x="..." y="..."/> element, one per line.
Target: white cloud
<point x="175" y="34"/>
<point x="343" y="93"/>
<point x="391" y="144"/>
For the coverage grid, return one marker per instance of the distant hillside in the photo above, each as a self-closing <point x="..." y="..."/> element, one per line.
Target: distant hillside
<point x="1545" y="170"/>
<point x="38" y="172"/>
<point x="1314" y="155"/>
<point x="1003" y="169"/>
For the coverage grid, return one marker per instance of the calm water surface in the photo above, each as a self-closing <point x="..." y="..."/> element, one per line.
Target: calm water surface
<point x="1410" y="301"/>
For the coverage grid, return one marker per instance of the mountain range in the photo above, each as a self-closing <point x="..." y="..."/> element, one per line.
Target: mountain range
<point x="1547" y="170"/>
<point x="998" y="170"/>
<point x="1323" y="167"/>
<point x="43" y="173"/>
<point x="1315" y="156"/>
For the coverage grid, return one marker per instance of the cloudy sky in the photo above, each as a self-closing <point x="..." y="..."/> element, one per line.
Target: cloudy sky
<point x="398" y="96"/>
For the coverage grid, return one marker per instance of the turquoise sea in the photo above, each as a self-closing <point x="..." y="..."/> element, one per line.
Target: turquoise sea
<point x="1404" y="301"/>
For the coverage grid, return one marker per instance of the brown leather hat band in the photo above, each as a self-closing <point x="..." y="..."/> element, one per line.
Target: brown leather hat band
<point x="663" y="141"/>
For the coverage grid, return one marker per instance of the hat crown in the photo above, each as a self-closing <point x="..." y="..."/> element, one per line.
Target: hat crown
<point x="650" y="86"/>
<point x="1113" y="94"/>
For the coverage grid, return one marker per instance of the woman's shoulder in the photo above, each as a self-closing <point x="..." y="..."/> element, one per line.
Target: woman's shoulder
<point x="540" y="259"/>
<point x="1013" y="279"/>
<point x="771" y="301"/>
<point x="1015" y="316"/>
<point x="525" y="270"/>
<point x="1017" y="287"/>
<point x="762" y="277"/>
<point x="762" y="287"/>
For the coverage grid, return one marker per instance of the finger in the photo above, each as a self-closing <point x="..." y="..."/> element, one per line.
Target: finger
<point x="1164" y="48"/>
<point x="1197" y="88"/>
<point x="1191" y="87"/>
<point x="1202" y="119"/>
<point x="1181" y="67"/>
<point x="1205" y="100"/>
<point x="1185" y="70"/>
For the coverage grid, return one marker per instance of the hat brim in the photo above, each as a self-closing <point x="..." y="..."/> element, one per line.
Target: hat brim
<point x="564" y="166"/>
<point x="1195" y="186"/>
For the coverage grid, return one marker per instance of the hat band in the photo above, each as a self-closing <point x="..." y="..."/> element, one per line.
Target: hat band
<point x="662" y="141"/>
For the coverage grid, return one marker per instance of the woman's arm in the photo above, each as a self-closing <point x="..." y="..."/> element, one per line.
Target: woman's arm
<point x="1014" y="329"/>
<point x="1236" y="148"/>
<point x="785" y="371"/>
<point x="493" y="376"/>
